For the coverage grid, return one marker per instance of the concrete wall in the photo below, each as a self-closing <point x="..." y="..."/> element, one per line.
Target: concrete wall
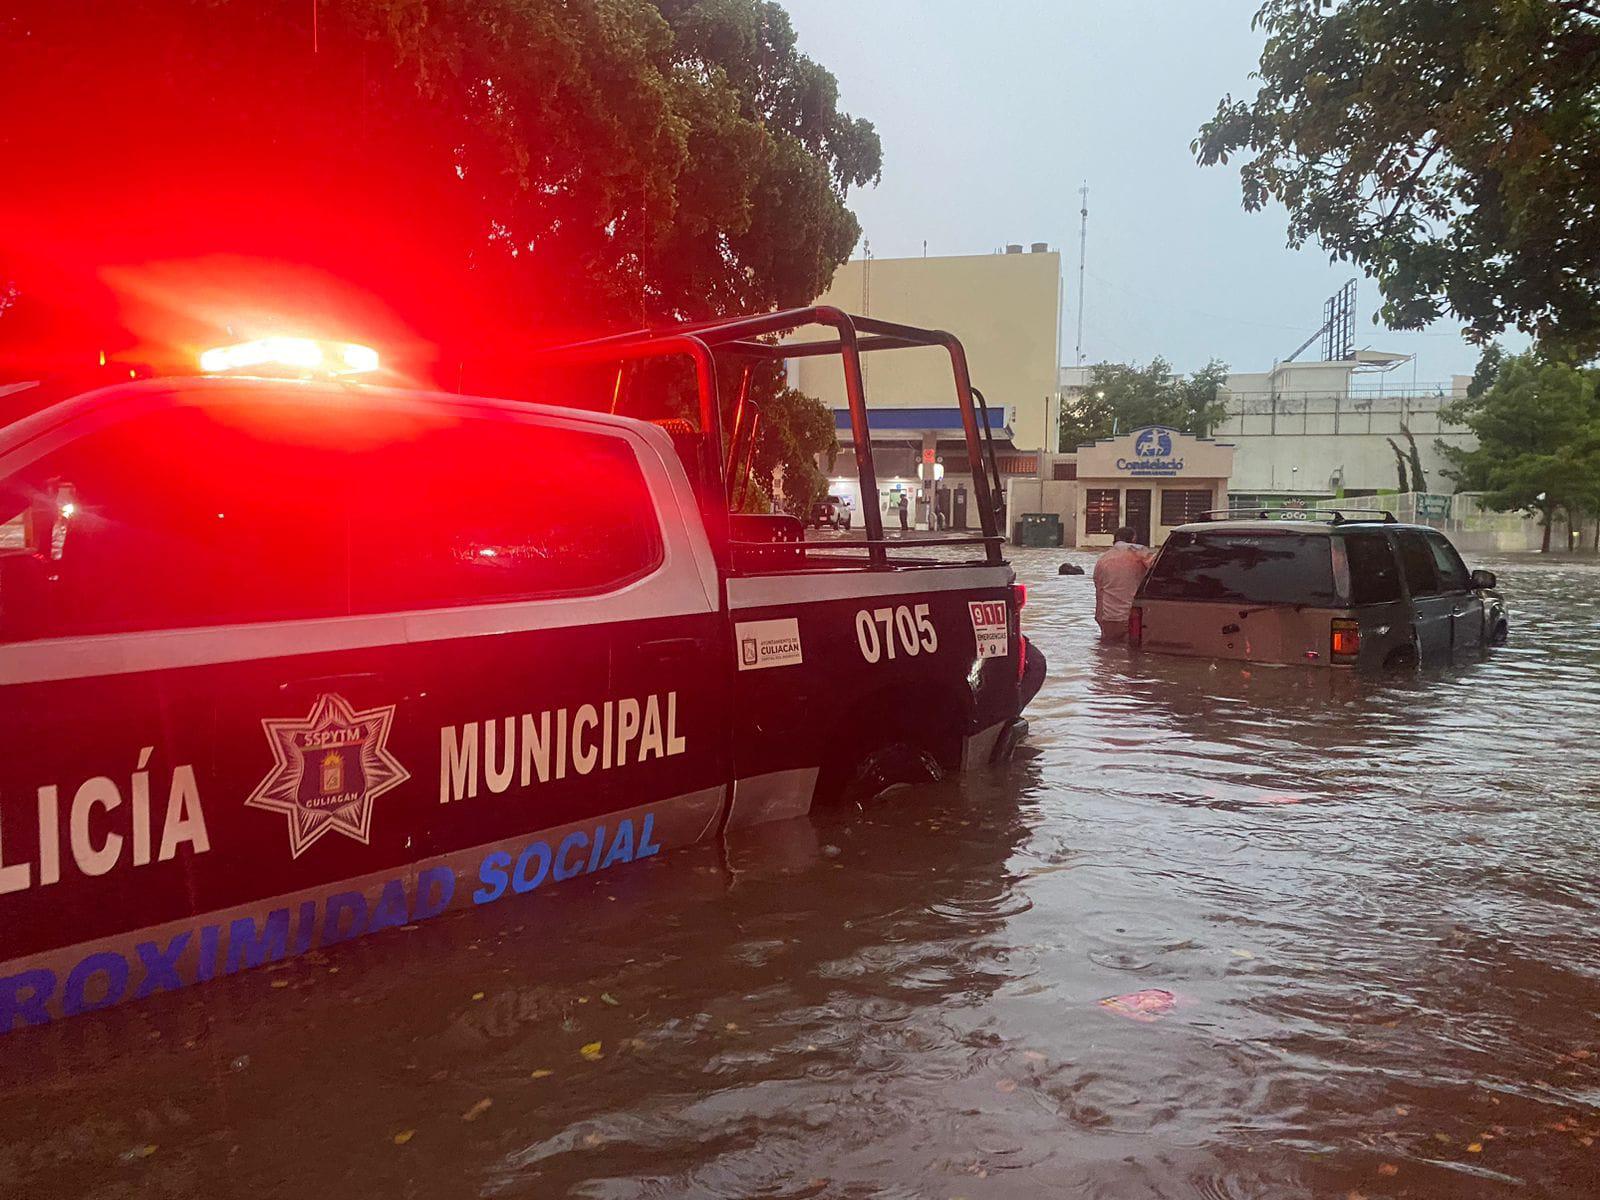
<point x="1003" y="307"/>
<point x="1311" y="463"/>
<point x="1300" y="441"/>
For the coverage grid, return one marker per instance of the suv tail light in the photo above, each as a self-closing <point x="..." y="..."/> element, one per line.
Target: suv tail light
<point x="1135" y="625"/>
<point x="1019" y="598"/>
<point x="1346" y="639"/>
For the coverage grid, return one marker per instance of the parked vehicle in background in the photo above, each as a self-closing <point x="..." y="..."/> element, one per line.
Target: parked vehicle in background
<point x="830" y="512"/>
<point x="1327" y="589"/>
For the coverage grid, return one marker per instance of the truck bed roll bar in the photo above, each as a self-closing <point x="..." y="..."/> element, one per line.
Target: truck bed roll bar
<point x="752" y="337"/>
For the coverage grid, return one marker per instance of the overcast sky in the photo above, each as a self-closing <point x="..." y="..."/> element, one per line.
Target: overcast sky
<point x="992" y="115"/>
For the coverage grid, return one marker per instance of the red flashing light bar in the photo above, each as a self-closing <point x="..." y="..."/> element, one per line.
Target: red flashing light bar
<point x="306" y="355"/>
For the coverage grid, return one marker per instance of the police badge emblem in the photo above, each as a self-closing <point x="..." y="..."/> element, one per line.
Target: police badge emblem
<point x="328" y="770"/>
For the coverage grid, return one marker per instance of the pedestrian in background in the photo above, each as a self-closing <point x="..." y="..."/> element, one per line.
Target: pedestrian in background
<point x="904" y="508"/>
<point x="1116" y="579"/>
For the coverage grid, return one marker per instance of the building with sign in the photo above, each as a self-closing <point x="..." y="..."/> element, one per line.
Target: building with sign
<point x="1153" y="479"/>
<point x="1005" y="308"/>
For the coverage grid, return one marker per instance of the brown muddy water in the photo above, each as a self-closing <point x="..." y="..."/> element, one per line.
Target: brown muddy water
<point x="1372" y="901"/>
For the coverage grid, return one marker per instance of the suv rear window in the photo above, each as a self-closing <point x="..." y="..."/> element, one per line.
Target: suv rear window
<point x="1374" y="577"/>
<point x="1244" y="568"/>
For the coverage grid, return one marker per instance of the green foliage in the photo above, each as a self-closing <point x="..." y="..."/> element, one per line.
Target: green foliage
<point x="1399" y="465"/>
<point x="1419" y="477"/>
<point x="1538" y="430"/>
<point x="794" y="429"/>
<point x="1120" y="397"/>
<point x="499" y="172"/>
<point x="1450" y="147"/>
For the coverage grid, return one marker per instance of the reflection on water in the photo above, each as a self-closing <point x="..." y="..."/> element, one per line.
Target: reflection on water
<point x="1372" y="901"/>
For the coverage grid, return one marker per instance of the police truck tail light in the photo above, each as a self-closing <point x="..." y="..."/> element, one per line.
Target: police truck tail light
<point x="1019" y="598"/>
<point x="1135" y="625"/>
<point x="1346" y="640"/>
<point x="301" y="355"/>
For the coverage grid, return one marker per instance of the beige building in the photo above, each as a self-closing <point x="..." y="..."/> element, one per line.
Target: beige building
<point x="1153" y="479"/>
<point x="1005" y="308"/>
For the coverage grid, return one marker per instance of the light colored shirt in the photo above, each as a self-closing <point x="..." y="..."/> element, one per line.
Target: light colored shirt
<point x="1117" y="576"/>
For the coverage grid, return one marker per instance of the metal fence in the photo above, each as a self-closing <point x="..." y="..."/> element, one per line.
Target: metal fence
<point x="1461" y="515"/>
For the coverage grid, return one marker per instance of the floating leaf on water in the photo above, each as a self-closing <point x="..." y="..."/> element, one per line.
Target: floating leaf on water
<point x="1475" y="1148"/>
<point x="1241" y="954"/>
<point x="1145" y="1005"/>
<point x="1006" y="1085"/>
<point x="593" y="1139"/>
<point x="732" y="1027"/>
<point x="541" y="1073"/>
<point x="477" y="995"/>
<point x="404" y="1136"/>
<point x="583" y="999"/>
<point x="135" y="1153"/>
<point x="477" y="1110"/>
<point x="1033" y="1056"/>
<point x="1388" y="1169"/>
<point x="280" y="983"/>
<point x="608" y="998"/>
<point x="592" y="1051"/>
<point x="1401" y="1110"/>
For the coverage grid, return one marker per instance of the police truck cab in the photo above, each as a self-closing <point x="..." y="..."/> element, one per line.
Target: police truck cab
<point x="286" y="661"/>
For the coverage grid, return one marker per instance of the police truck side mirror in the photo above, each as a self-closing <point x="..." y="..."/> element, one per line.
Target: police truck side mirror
<point x="1484" y="581"/>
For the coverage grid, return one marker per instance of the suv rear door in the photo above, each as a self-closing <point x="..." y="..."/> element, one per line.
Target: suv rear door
<point x="1375" y="593"/>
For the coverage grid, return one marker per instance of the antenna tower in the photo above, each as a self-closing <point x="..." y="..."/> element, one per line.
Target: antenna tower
<point x="1083" y="242"/>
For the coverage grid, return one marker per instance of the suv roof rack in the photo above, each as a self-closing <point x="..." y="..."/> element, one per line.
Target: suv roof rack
<point x="1334" y="516"/>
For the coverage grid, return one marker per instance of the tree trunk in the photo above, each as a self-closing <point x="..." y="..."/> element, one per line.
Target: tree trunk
<point x="1545" y="548"/>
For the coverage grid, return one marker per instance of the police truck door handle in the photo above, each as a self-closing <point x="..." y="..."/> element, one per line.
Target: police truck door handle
<point x="329" y="683"/>
<point x="665" y="649"/>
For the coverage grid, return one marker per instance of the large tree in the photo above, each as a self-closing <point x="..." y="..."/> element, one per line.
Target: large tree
<point x="1121" y="396"/>
<point x="1450" y="147"/>
<point x="491" y="173"/>
<point x="1537" y="423"/>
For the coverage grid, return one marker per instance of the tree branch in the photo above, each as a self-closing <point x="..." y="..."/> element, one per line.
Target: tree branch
<point x="1405" y="189"/>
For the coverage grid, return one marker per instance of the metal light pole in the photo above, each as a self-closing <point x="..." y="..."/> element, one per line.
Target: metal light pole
<point x="1083" y="242"/>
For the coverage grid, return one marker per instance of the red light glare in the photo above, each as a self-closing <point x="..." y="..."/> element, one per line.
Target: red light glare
<point x="293" y="353"/>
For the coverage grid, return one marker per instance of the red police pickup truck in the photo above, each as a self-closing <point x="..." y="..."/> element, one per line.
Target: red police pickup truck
<point x="286" y="661"/>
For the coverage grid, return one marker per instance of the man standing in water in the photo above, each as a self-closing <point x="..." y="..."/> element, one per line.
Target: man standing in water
<point x="1116" y="578"/>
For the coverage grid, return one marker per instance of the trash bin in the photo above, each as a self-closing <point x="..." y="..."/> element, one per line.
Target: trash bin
<point x="1039" y="529"/>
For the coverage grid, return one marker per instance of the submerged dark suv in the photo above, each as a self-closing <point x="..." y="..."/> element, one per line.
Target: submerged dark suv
<point x="1328" y="589"/>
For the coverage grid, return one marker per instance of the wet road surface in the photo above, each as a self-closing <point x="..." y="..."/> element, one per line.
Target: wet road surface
<point x="1373" y="905"/>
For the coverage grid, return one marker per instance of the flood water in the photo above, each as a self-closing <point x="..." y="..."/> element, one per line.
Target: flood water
<point x="1373" y="903"/>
